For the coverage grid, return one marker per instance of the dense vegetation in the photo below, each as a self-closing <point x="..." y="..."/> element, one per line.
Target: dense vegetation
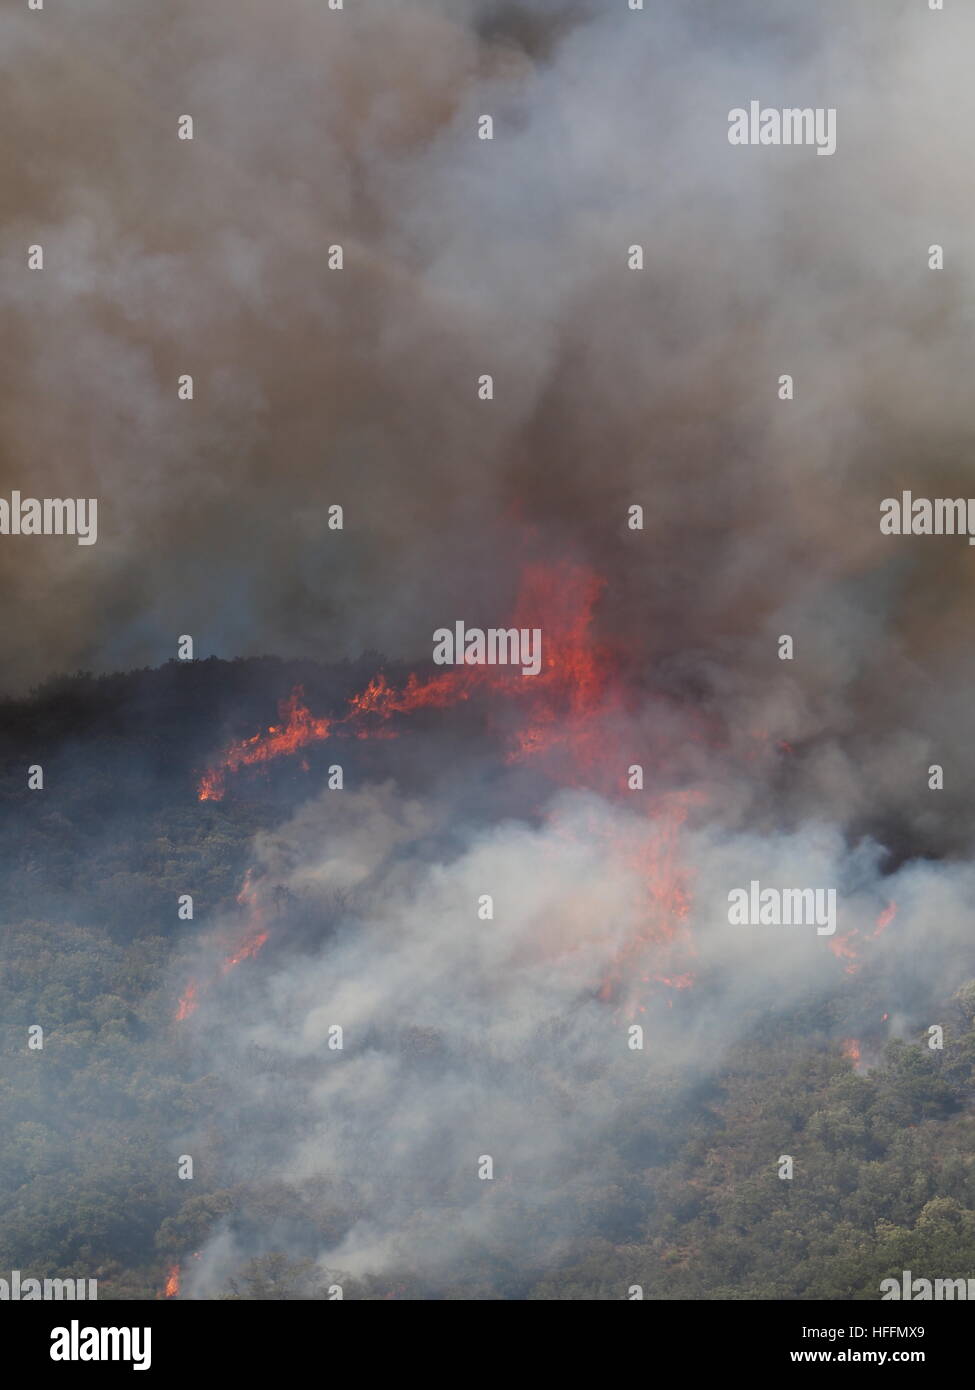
<point x="884" y="1159"/>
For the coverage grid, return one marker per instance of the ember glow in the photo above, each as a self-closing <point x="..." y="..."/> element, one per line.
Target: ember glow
<point x="885" y="919"/>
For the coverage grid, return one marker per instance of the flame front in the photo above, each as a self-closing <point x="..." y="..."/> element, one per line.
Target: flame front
<point x="297" y="730"/>
<point x="568" y="716"/>
<point x="572" y="685"/>
<point x="172" y="1282"/>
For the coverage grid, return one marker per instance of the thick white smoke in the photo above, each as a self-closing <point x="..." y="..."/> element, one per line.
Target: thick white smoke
<point x="464" y="1037"/>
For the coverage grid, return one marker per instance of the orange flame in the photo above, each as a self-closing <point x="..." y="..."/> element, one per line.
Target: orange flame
<point x="666" y="907"/>
<point x="245" y="952"/>
<point x="843" y="946"/>
<point x="885" y="918"/>
<point x="298" y="730"/>
<point x="187" y="1002"/>
<point x="172" y="1282"/>
<point x="253" y="939"/>
<point x="566" y="709"/>
<point x="572" y="682"/>
<point x="851" y="1049"/>
<point x="844" y="949"/>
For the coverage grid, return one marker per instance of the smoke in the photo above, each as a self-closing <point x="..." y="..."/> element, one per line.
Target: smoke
<point x="358" y="387"/>
<point x="464" y="1038"/>
<point x="613" y="387"/>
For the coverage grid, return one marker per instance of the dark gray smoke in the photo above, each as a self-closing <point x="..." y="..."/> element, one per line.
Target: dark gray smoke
<point x="462" y="257"/>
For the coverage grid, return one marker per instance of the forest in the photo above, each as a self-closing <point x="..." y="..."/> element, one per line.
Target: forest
<point x="688" y="1205"/>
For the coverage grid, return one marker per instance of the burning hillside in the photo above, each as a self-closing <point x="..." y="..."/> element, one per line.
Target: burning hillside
<point x="515" y="784"/>
<point x="567" y="706"/>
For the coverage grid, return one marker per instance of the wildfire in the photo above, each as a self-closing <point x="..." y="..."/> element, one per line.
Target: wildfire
<point x="844" y="947"/>
<point x="248" y="944"/>
<point x="851" y="1049"/>
<point x="246" y="952"/>
<point x="665" y="908"/>
<point x="677" y="982"/>
<point x="573" y="683"/>
<point x="172" y="1282"/>
<point x="567" y="710"/>
<point x="256" y="934"/>
<point x="297" y="730"/>
<point x="885" y="918"/>
<point x="187" y="1002"/>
